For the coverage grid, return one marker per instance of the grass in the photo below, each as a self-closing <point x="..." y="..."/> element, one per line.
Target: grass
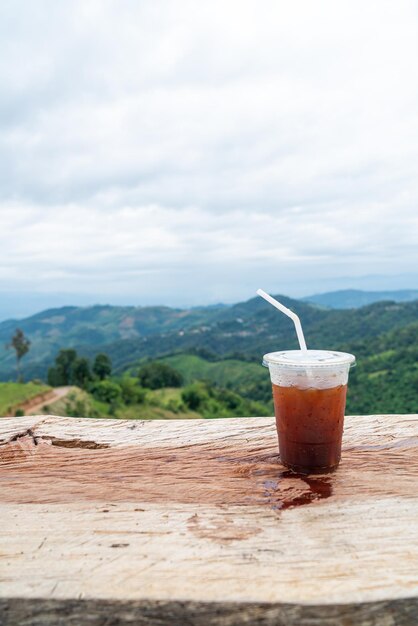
<point x="161" y="404"/>
<point x="149" y="412"/>
<point x="231" y="372"/>
<point x="12" y="394"/>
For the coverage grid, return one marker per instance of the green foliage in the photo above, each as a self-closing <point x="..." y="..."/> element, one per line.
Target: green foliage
<point x="212" y="402"/>
<point x="55" y="377"/>
<point x="102" y="366"/>
<point x="94" y="327"/>
<point x="81" y="374"/>
<point x="156" y="375"/>
<point x="106" y="391"/>
<point x="77" y="409"/>
<point x="131" y="392"/>
<point x="20" y="345"/>
<point x="19" y="413"/>
<point x="250" y="380"/>
<point x="246" y="330"/>
<point x="221" y="349"/>
<point x="12" y="394"/>
<point x="195" y="396"/>
<point x="77" y="404"/>
<point x="63" y="372"/>
<point x="65" y="363"/>
<point x="175" y="405"/>
<point x="385" y="379"/>
<point x="71" y="369"/>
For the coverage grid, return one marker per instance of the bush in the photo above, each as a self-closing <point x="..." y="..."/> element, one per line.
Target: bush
<point x="156" y="375"/>
<point x="106" y="391"/>
<point x="194" y="396"/>
<point x="231" y="400"/>
<point x="175" y="405"/>
<point x="79" y="409"/>
<point x="19" y="413"/>
<point x="132" y="393"/>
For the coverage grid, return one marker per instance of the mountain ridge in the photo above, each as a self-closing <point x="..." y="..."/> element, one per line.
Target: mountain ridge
<point x="356" y="298"/>
<point x="247" y="329"/>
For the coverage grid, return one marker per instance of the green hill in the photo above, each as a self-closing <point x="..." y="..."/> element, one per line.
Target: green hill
<point x="385" y="379"/>
<point x="93" y="326"/>
<point x="198" y="400"/>
<point x="12" y="394"/>
<point x="224" y="345"/>
<point x="250" y="380"/>
<point x="247" y="331"/>
<point x="229" y="371"/>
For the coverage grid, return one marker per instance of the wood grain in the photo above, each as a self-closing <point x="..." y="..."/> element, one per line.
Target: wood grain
<point x="198" y="520"/>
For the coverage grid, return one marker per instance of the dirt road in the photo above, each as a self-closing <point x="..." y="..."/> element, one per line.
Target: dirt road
<point x="56" y="394"/>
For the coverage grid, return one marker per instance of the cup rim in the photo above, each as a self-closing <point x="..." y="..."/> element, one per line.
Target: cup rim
<point x="330" y="359"/>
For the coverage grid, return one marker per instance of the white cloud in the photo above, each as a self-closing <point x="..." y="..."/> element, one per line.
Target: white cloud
<point x="148" y="146"/>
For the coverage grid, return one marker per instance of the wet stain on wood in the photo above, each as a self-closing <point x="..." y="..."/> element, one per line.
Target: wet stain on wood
<point x="56" y="468"/>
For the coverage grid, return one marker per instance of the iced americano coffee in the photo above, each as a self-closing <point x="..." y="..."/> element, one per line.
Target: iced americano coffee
<point x="309" y="393"/>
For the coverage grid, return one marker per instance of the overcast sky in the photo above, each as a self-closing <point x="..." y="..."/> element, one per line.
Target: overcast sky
<point x="190" y="152"/>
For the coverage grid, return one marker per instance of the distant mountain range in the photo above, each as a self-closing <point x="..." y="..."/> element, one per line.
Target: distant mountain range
<point x="245" y="330"/>
<point x="354" y="298"/>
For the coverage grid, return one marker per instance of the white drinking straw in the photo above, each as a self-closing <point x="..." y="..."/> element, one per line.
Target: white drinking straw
<point x="290" y="314"/>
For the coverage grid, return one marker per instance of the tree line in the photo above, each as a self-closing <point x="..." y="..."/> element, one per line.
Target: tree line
<point x="71" y="369"/>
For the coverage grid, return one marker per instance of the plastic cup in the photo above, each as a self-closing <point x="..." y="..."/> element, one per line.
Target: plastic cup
<point x="309" y="393"/>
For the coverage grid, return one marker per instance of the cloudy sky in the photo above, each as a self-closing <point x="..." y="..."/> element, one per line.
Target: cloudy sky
<point x="186" y="152"/>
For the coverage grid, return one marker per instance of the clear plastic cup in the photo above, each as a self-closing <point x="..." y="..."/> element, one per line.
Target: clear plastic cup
<point x="309" y="393"/>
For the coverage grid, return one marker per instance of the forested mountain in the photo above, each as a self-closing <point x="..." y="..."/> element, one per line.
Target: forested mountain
<point x="92" y="326"/>
<point x="354" y="298"/>
<point x="244" y="331"/>
<point x="384" y="380"/>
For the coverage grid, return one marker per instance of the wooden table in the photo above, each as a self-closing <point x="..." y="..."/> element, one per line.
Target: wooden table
<point x="196" y="522"/>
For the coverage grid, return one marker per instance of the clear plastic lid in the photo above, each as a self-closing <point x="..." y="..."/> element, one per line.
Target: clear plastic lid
<point x="311" y="358"/>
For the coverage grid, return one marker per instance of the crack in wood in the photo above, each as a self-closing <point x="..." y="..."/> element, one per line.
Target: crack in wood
<point x="75" y="443"/>
<point x="26" y="433"/>
<point x="55" y="441"/>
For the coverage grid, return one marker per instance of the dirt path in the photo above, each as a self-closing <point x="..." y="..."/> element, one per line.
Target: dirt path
<point x="55" y="394"/>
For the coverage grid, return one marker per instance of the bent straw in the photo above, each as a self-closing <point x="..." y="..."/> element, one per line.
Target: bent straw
<point x="289" y="313"/>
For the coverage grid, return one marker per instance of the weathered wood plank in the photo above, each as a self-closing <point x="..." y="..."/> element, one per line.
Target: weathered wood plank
<point x="201" y="518"/>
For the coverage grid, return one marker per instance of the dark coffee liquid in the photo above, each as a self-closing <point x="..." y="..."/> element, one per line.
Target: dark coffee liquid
<point x="310" y="427"/>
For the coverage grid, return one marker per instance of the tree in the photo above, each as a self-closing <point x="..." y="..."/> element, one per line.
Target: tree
<point x="54" y="377"/>
<point x="62" y="373"/>
<point x="156" y="375"/>
<point x="20" y="345"/>
<point x="102" y="366"/>
<point x="81" y="374"/>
